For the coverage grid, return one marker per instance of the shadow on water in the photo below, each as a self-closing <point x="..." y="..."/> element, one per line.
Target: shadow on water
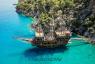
<point x="34" y="52"/>
<point x="74" y="35"/>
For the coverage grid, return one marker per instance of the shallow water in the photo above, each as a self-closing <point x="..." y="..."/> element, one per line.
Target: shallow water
<point x="17" y="52"/>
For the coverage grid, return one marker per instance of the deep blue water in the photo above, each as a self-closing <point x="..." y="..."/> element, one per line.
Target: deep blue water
<point x="13" y="51"/>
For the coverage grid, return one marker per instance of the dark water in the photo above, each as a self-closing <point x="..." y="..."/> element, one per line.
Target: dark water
<point x="14" y="51"/>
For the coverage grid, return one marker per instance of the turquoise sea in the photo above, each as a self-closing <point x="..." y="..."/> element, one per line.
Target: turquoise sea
<point x="13" y="51"/>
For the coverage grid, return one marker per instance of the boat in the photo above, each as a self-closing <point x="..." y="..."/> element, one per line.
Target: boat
<point x="50" y="35"/>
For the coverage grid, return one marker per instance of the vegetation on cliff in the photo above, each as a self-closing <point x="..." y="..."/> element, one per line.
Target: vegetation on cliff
<point x="79" y="15"/>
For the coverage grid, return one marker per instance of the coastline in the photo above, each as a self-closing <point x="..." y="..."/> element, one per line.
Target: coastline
<point x="37" y="11"/>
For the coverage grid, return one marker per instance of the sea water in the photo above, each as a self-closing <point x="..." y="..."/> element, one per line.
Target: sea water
<point x="14" y="51"/>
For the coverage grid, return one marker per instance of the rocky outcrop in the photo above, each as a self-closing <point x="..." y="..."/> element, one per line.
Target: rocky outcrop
<point x="85" y="9"/>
